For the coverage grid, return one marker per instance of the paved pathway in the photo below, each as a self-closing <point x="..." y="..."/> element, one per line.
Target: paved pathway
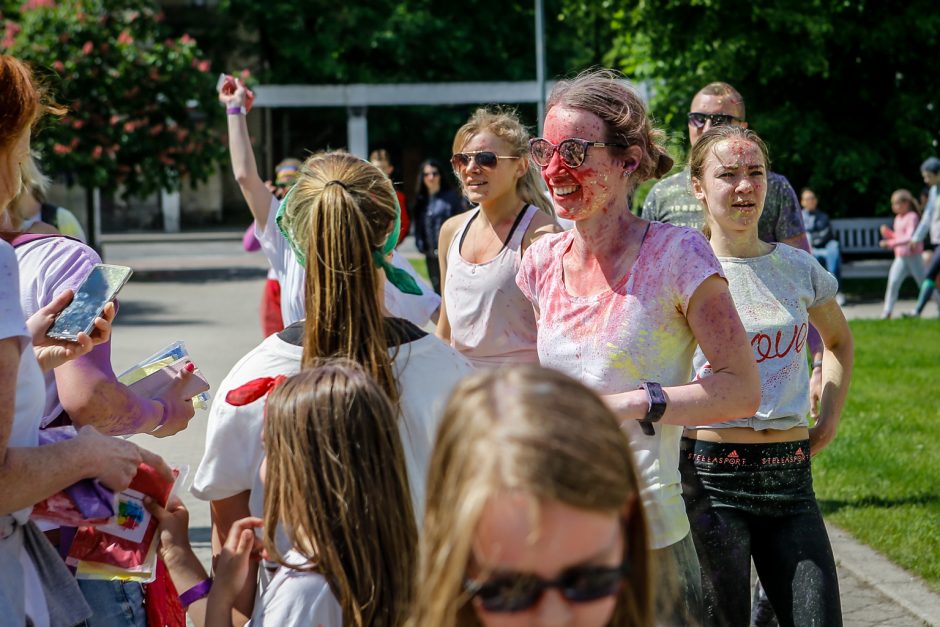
<point x="218" y="320"/>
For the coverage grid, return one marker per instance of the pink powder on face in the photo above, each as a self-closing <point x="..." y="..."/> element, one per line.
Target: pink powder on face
<point x="735" y="174"/>
<point x="593" y="178"/>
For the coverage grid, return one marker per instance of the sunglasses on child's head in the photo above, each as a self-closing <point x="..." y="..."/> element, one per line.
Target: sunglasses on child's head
<point x="717" y="119"/>
<point x="517" y="592"/>
<point x="483" y="158"/>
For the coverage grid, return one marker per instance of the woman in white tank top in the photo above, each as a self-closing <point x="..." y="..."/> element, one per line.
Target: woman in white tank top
<point x="484" y="314"/>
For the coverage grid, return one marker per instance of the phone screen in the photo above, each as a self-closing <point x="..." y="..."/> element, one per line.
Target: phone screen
<point x="101" y="285"/>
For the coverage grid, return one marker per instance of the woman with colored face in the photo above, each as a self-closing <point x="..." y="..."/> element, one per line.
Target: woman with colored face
<point x="529" y="522"/>
<point x="621" y="304"/>
<point x="747" y="483"/>
<point x="485" y="316"/>
<point x="435" y="202"/>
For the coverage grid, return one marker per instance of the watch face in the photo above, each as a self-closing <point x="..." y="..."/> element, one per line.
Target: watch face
<point x="657" y="401"/>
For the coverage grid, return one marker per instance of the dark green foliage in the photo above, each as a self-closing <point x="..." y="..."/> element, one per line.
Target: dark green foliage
<point x="845" y="93"/>
<point x="142" y="109"/>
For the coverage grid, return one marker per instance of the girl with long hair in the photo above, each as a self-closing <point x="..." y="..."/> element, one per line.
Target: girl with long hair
<point x="340" y="218"/>
<point x="529" y="519"/>
<point x="336" y="483"/>
<point x="416" y="302"/>
<point x="484" y="315"/>
<point x="621" y="304"/>
<point x="748" y="483"/>
<point x="907" y="260"/>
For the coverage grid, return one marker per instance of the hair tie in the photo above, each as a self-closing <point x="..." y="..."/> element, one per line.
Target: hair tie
<point x="336" y="182"/>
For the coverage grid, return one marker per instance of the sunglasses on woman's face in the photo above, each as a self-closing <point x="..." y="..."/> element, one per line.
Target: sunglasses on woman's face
<point x="483" y="158"/>
<point x="698" y="120"/>
<point x="516" y="592"/>
<point x="573" y="151"/>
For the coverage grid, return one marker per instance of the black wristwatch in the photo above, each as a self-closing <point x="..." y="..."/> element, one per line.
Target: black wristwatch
<point x="657" y="406"/>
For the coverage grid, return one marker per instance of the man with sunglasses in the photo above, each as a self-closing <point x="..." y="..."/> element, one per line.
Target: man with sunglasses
<point x="671" y="199"/>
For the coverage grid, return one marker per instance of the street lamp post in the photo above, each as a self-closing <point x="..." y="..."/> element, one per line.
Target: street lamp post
<point x="540" y="60"/>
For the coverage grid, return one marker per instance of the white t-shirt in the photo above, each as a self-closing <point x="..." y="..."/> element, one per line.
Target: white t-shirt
<point x="292" y="276"/>
<point x="426" y="370"/>
<point x="297" y="598"/>
<point x="30" y="391"/>
<point x="613" y="341"/>
<point x="772" y="293"/>
<point x="48" y="267"/>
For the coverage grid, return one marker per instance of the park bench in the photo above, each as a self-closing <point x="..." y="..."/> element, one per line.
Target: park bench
<point x="862" y="257"/>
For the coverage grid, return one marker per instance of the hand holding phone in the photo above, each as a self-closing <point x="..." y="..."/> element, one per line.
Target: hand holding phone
<point x="99" y="288"/>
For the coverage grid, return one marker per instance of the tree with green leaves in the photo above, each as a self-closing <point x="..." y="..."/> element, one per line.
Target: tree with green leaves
<point x="142" y="111"/>
<point x="845" y="93"/>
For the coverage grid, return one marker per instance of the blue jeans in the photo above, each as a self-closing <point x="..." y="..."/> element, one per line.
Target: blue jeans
<point x="114" y="603"/>
<point x="831" y="257"/>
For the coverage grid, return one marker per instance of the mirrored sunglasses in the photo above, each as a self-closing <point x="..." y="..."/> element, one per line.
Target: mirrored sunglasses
<point x="573" y="151"/>
<point x="483" y="158"/>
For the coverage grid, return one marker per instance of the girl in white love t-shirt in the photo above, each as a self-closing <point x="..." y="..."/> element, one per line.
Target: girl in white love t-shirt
<point x="335" y="480"/>
<point x="621" y="302"/>
<point x="747" y="483"/>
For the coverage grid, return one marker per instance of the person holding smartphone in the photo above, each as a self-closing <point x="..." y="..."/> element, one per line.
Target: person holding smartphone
<point x="29" y="565"/>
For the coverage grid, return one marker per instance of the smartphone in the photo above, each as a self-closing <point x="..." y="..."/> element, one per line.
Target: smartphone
<point x="99" y="287"/>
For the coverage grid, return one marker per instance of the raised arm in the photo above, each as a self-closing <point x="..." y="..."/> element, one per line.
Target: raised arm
<point x="732" y="390"/>
<point x="256" y="194"/>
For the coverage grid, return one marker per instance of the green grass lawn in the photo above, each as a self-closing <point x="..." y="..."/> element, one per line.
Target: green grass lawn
<point x="880" y="478"/>
<point x="421" y="265"/>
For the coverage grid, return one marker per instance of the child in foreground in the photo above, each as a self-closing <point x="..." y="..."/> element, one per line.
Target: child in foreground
<point x="335" y="479"/>
<point x="532" y="518"/>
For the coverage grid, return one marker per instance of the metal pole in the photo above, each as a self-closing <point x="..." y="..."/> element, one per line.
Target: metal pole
<point x="540" y="60"/>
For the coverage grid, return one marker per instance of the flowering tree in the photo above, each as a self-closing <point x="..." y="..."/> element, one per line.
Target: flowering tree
<point x="141" y="107"/>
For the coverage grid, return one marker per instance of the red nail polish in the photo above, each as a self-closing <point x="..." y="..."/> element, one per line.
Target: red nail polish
<point x="190" y="367"/>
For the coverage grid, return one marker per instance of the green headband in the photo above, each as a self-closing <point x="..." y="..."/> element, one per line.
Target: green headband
<point x="396" y="276"/>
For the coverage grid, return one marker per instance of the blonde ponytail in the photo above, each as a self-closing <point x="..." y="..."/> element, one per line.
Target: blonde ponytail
<point x="339" y="212"/>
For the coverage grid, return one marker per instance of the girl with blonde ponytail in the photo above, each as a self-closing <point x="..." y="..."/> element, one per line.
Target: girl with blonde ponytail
<point x="483" y="314"/>
<point x="341" y="219"/>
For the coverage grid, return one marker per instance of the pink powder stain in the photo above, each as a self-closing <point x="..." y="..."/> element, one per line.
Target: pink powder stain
<point x="592" y="178"/>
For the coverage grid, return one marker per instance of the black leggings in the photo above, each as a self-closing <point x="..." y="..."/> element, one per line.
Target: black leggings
<point x="756" y="501"/>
